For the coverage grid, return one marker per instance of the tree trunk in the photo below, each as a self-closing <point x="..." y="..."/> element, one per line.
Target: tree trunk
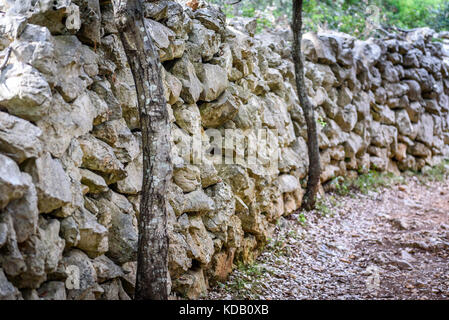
<point x="313" y="181"/>
<point x="143" y="59"/>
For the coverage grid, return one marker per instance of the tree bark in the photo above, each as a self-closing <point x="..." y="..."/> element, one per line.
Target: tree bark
<point x="143" y="59"/>
<point x="313" y="181"/>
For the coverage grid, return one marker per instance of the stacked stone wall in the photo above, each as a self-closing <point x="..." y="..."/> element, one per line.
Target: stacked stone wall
<point x="70" y="143"/>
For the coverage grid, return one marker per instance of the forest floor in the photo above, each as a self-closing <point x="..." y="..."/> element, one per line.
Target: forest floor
<point x="387" y="242"/>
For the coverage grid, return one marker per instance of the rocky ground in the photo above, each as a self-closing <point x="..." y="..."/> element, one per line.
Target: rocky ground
<point x="389" y="243"/>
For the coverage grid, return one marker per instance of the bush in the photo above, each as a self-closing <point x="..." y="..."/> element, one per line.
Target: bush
<point x="349" y="16"/>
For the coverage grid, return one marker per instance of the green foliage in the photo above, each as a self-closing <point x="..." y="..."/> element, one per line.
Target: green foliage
<point x="370" y="181"/>
<point x="356" y="17"/>
<point x="374" y="180"/>
<point x="415" y="13"/>
<point x="302" y="219"/>
<point x="435" y="173"/>
<point x="321" y="122"/>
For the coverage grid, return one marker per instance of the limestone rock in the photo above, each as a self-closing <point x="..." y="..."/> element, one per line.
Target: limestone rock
<point x="216" y="221"/>
<point x="216" y="113"/>
<point x="197" y="201"/>
<point x="201" y="246"/>
<point x="7" y="290"/>
<point x="347" y="117"/>
<point x="13" y="184"/>
<point x="214" y="80"/>
<point x="95" y="182"/>
<point x="52" y="290"/>
<point x="93" y="236"/>
<point x="403" y="122"/>
<point x="117" y="134"/>
<point x="11" y="258"/>
<point x="100" y="157"/>
<point x="191" y="284"/>
<point x="42" y="253"/>
<point x="24" y="211"/>
<point x="24" y="92"/>
<point x="70" y="232"/>
<point x="51" y="181"/>
<point x="184" y="70"/>
<point x="164" y="38"/>
<point x="122" y="238"/>
<point x="188" y="177"/>
<point x="207" y="39"/>
<point x="318" y="48"/>
<point x="288" y="183"/>
<point x="132" y="184"/>
<point x="19" y="139"/>
<point x="79" y="263"/>
<point x="106" y="269"/>
<point x="188" y="118"/>
<point x="77" y="65"/>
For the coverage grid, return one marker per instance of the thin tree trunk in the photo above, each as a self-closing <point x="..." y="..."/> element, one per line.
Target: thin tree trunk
<point x="143" y="59"/>
<point x="312" y="136"/>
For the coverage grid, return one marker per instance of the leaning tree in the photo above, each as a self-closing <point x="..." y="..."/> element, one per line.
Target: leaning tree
<point x="312" y="136"/>
<point x="143" y="59"/>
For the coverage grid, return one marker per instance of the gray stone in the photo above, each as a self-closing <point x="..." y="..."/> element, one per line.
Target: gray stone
<point x="100" y="157"/>
<point x="19" y="139"/>
<point x="7" y="290"/>
<point x="24" y="92"/>
<point x="51" y="181"/>
<point x="70" y="231"/>
<point x="216" y="113"/>
<point x="187" y="177"/>
<point x="93" y="235"/>
<point x="94" y="182"/>
<point x="132" y="184"/>
<point x="106" y="269"/>
<point x="184" y="70"/>
<point x="214" y="80"/>
<point x="24" y="211"/>
<point x="77" y="260"/>
<point x="117" y="134"/>
<point x="122" y="238"/>
<point x="52" y="290"/>
<point x="188" y="118"/>
<point x="42" y="253"/>
<point x="347" y="117"/>
<point x="403" y="123"/>
<point x="197" y="201"/>
<point x="13" y="184"/>
<point x="217" y="221"/>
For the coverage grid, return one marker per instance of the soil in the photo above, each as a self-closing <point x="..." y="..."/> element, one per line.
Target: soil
<point x="392" y="243"/>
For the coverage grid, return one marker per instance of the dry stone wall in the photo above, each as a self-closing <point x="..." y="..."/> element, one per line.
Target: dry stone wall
<point x="70" y="145"/>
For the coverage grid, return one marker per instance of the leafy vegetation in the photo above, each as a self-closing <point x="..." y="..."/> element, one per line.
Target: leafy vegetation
<point x="374" y="180"/>
<point x="356" y="17"/>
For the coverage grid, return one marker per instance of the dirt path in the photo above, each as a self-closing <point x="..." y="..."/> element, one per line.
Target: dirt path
<point x="390" y="244"/>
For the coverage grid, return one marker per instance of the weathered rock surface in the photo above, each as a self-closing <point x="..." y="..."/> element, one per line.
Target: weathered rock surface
<point x="70" y="140"/>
